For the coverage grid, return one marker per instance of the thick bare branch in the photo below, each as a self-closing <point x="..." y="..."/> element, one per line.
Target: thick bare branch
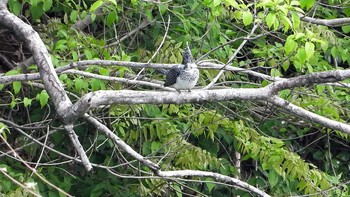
<point x="313" y="78"/>
<point x="218" y="177"/>
<point x="41" y="56"/>
<point x="121" y="143"/>
<point x="85" y="63"/>
<point x="314" y="118"/>
<point x="326" y="22"/>
<point x="107" y="97"/>
<point x="118" y="79"/>
<point x="47" y="72"/>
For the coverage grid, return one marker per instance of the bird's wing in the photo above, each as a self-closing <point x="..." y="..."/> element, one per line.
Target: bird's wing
<point x="171" y="76"/>
<point x="162" y="71"/>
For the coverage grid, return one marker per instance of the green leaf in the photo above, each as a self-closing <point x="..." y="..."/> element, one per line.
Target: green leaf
<point x="75" y="56"/>
<point x="65" y="18"/>
<point x="103" y="71"/>
<point x="88" y="54"/>
<point x="299" y="36"/>
<point x="34" y="2"/>
<point x="334" y="52"/>
<point x="301" y="55"/>
<point x="155" y="146"/>
<point x="16" y="86"/>
<point x="43" y="98"/>
<point x="233" y="3"/>
<point x="285" y="65"/>
<point x="264" y="83"/>
<point x="273" y="178"/>
<point x="11" y="72"/>
<point x="93" y="16"/>
<point x="346" y="28"/>
<point x="307" y="3"/>
<point x="295" y="20"/>
<point x="36" y="12"/>
<point x="47" y="5"/>
<point x="78" y="84"/>
<point x="111" y="18"/>
<point x="15" y="7"/>
<point x="275" y="72"/>
<point x="290" y="45"/>
<point x="310" y="69"/>
<point x="247" y="18"/>
<point x="63" y="77"/>
<point x="95" y="84"/>
<point x="210" y="185"/>
<point x="13" y="104"/>
<point x="346" y="11"/>
<point x="73" y="16"/>
<point x="113" y="1"/>
<point x="320" y="89"/>
<point x="61" y="45"/>
<point x="3" y="130"/>
<point x="270" y="19"/>
<point x="267" y="3"/>
<point x="216" y="3"/>
<point x="276" y="24"/>
<point x="177" y="190"/>
<point x="318" y="155"/>
<point x="27" y="101"/>
<point x="287" y="23"/>
<point x="146" y="148"/>
<point x="96" y="5"/>
<point x="310" y="49"/>
<point x="295" y="3"/>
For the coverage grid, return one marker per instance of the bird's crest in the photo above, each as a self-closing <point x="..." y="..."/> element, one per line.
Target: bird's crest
<point x="187" y="56"/>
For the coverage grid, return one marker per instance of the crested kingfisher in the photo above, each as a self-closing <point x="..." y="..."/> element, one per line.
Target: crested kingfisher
<point x="183" y="76"/>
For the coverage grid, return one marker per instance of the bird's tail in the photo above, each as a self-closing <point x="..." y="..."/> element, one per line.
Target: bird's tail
<point x="162" y="71"/>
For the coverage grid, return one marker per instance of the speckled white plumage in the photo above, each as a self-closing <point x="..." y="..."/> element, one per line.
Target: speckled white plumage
<point x="183" y="76"/>
<point x="188" y="78"/>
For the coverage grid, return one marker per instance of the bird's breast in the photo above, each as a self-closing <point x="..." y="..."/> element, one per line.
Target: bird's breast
<point x="187" y="79"/>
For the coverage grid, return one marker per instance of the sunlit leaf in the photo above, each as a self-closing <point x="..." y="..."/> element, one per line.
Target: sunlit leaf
<point x="270" y="19"/>
<point x="247" y="18"/>
<point x="16" y="86"/>
<point x="96" y="5"/>
<point x="27" y="102"/>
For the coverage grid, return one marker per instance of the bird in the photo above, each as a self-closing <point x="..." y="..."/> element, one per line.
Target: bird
<point x="185" y="75"/>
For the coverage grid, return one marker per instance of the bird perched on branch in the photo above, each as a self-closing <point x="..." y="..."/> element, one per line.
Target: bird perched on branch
<point x="185" y="75"/>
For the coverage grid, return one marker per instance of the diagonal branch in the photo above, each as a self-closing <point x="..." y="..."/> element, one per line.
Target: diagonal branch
<point x="78" y="147"/>
<point x="171" y="174"/>
<point x="312" y="117"/>
<point x="121" y="143"/>
<point x="47" y="72"/>
<point x="218" y="177"/>
<point x="41" y="57"/>
<point x="231" y="59"/>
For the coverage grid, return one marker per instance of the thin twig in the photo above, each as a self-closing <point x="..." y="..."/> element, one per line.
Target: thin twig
<point x="230" y="60"/>
<point x="78" y="147"/>
<point x="143" y="24"/>
<point x="32" y="169"/>
<point x="157" y="51"/>
<point x="42" y="151"/>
